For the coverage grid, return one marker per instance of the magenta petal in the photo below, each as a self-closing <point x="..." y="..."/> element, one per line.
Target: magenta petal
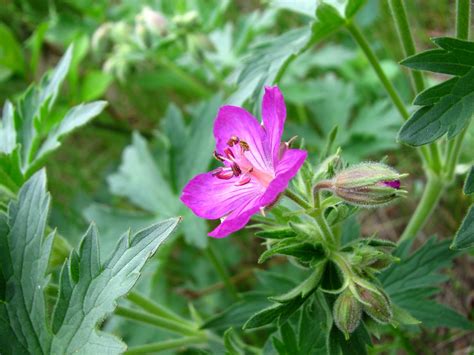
<point x="211" y="198"/>
<point x="235" y="121"/>
<point x="287" y="168"/>
<point x="237" y="219"/>
<point x="274" y="115"/>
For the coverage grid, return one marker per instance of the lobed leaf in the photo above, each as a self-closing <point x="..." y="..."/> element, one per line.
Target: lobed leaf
<point x="469" y="184"/>
<point x="464" y="237"/>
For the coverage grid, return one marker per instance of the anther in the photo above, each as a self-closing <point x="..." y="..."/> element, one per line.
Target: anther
<point x="244" y="179"/>
<point x="232" y="141"/>
<point x="244" y="145"/>
<point x="218" y="156"/>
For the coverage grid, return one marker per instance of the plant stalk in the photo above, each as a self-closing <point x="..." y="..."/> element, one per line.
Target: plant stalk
<point x="222" y="271"/>
<point x="399" y="14"/>
<point x="150" y="306"/>
<point x="396" y="99"/>
<point x="160" y="322"/>
<point x="166" y="345"/>
<point x="431" y="195"/>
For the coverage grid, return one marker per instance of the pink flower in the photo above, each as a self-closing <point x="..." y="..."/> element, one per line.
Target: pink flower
<point x="257" y="166"/>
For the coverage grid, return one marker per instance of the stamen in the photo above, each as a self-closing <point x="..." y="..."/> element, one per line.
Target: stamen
<point x="218" y="156"/>
<point x="229" y="153"/>
<point x="223" y="173"/>
<point x="244" y="145"/>
<point x="236" y="169"/>
<point x="232" y="141"/>
<point x="244" y="179"/>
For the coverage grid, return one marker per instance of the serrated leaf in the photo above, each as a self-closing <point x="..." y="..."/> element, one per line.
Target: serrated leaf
<point x="464" y="237"/>
<point x="456" y="57"/>
<point x="469" y="184"/>
<point x="302" y="250"/>
<point x="434" y="94"/>
<point x="88" y="289"/>
<point x="96" y="286"/>
<point x="76" y="117"/>
<point x="24" y="260"/>
<point x="276" y="233"/>
<point x="7" y="129"/>
<point x="303" y="289"/>
<point x="262" y="65"/>
<point x="449" y="115"/>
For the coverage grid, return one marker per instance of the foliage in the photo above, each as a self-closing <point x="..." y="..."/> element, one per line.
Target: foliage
<point x="316" y="272"/>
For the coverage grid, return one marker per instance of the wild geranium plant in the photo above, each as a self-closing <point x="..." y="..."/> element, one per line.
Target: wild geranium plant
<point x="319" y="216"/>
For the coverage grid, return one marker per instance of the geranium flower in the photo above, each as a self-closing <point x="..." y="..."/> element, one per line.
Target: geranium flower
<point x="257" y="166"/>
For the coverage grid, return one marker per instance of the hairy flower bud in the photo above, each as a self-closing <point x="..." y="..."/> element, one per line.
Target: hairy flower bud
<point x="368" y="256"/>
<point x="154" y="21"/>
<point x="347" y="312"/>
<point x="367" y="184"/>
<point x="376" y="304"/>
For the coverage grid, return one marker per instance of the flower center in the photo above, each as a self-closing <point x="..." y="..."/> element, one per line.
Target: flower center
<point x="236" y="164"/>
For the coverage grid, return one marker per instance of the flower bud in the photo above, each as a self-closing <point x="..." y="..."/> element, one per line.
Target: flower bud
<point x="153" y="21"/>
<point x="367" y="256"/>
<point x="347" y="312"/>
<point x="367" y="184"/>
<point x="376" y="304"/>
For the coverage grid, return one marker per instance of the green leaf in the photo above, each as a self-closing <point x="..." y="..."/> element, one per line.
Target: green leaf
<point x="141" y="180"/>
<point x="411" y="283"/>
<point x="95" y="84"/>
<point x="7" y="129"/>
<point x="464" y="237"/>
<point x="93" y="287"/>
<point x="449" y="115"/>
<point x="24" y="259"/>
<point x="88" y="289"/>
<point x="276" y="233"/>
<point x="301" y="250"/>
<point x="303" y="289"/>
<point x="434" y="94"/>
<point x="11" y="55"/>
<point x="76" y="117"/>
<point x="469" y="184"/>
<point x="456" y="57"/>
<point x="262" y="65"/>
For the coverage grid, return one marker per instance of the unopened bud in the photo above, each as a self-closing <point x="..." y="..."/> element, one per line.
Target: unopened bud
<point x="347" y="312"/>
<point x="376" y="304"/>
<point x="154" y="21"/>
<point x="366" y="184"/>
<point x="374" y="258"/>
<point x="100" y="37"/>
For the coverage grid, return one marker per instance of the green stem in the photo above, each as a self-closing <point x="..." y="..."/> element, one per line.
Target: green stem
<point x="433" y="190"/>
<point x="298" y="200"/>
<point x="399" y="14"/>
<point x="160" y="322"/>
<point x="155" y="308"/>
<point x="396" y="99"/>
<point x="166" y="345"/>
<point x="463" y="19"/>
<point x="222" y="271"/>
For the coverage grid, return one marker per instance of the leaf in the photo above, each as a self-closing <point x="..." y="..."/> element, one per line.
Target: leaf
<point x="455" y="57"/>
<point x="11" y="55"/>
<point x="276" y="233"/>
<point x="76" y="117"/>
<point x="88" y="289"/>
<point x="141" y="181"/>
<point x="92" y="287"/>
<point x="95" y="84"/>
<point x="469" y="184"/>
<point x="464" y="237"/>
<point x="303" y="289"/>
<point x="411" y="283"/>
<point x="263" y="63"/>
<point x="24" y="259"/>
<point x="447" y="107"/>
<point x="7" y="129"/>
<point x="449" y="115"/>
<point x="305" y="7"/>
<point x="301" y="250"/>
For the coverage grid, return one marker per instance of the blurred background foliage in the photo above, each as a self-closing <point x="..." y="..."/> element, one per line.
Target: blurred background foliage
<point x="165" y="67"/>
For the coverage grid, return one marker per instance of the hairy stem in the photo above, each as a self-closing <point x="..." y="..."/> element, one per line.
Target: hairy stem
<point x="160" y="322"/>
<point x="374" y="62"/>
<point x="399" y="14"/>
<point x="155" y="308"/>
<point x="222" y="271"/>
<point x="166" y="345"/>
<point x="431" y="195"/>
